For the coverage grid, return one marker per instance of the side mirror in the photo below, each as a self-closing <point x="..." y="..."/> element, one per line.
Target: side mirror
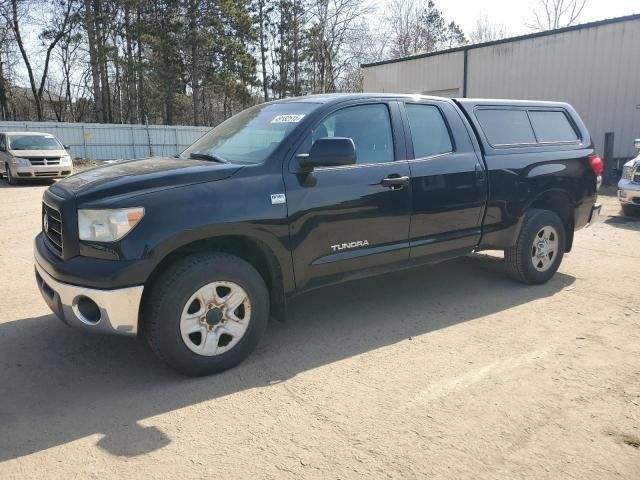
<point x="327" y="152"/>
<point x="67" y="147"/>
<point x="637" y="143"/>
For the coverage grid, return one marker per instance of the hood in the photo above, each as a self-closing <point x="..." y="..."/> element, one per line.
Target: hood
<point x="37" y="153"/>
<point x="133" y="177"/>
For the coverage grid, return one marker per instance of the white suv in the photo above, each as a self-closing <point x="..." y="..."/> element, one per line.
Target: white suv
<point x="31" y="155"/>
<point x="629" y="185"/>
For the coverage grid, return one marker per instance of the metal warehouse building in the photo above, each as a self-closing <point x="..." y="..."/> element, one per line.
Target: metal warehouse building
<point x="595" y="67"/>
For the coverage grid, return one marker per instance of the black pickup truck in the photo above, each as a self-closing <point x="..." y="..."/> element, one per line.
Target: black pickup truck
<point x="198" y="251"/>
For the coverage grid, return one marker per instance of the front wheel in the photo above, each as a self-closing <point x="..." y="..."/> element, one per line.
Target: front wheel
<point x="206" y="313"/>
<point x="10" y="178"/>
<point x="539" y="249"/>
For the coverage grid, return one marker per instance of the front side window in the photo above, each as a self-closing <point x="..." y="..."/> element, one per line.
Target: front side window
<point x="369" y="126"/>
<point x="33" y="142"/>
<point x="251" y="136"/>
<point x="429" y="132"/>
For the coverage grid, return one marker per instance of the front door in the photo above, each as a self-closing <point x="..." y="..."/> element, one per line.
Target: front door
<point x="351" y="220"/>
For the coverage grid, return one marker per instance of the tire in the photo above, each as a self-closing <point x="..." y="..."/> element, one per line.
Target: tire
<point x="175" y="297"/>
<point x="532" y="264"/>
<point x="631" y="210"/>
<point x="11" y="180"/>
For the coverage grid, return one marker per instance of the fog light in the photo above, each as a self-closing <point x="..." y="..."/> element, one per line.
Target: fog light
<point x="86" y="310"/>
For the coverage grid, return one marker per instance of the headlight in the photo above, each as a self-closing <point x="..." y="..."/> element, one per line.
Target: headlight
<point x="107" y="225"/>
<point x="20" y="162"/>
<point x="627" y="172"/>
<point x="65" y="160"/>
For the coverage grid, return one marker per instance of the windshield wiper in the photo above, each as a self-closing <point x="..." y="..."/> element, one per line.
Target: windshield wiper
<point x="207" y="156"/>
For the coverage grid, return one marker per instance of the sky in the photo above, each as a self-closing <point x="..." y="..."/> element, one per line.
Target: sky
<point x="514" y="14"/>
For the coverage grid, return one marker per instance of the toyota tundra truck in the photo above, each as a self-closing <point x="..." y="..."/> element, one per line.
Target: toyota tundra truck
<point x="196" y="252"/>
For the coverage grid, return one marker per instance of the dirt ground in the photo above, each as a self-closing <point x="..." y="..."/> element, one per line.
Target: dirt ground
<point x="449" y="371"/>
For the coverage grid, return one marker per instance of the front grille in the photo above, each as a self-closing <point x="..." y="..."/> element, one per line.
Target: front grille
<point x="39" y="162"/>
<point x="52" y="219"/>
<point x="46" y="174"/>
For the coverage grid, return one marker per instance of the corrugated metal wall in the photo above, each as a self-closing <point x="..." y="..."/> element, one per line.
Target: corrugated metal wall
<point x="596" y="69"/>
<point x="111" y="142"/>
<point x="428" y="76"/>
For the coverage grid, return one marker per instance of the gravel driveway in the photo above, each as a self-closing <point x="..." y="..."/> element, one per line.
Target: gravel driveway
<point x="448" y="371"/>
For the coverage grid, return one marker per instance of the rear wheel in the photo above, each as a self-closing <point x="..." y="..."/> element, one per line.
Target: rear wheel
<point x="539" y="249"/>
<point x="631" y="210"/>
<point x="206" y="313"/>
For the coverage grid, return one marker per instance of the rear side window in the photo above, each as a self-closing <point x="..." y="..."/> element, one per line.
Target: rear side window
<point x="429" y="133"/>
<point x="506" y="127"/>
<point x="552" y="126"/>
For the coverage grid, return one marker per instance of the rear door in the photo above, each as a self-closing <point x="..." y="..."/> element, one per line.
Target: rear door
<point x="347" y="221"/>
<point x="448" y="181"/>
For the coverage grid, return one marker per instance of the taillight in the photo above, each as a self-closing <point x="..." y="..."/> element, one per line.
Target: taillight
<point x="597" y="165"/>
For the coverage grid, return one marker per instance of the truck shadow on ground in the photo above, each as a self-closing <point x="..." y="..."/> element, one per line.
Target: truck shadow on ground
<point x="624" y="222"/>
<point x="59" y="385"/>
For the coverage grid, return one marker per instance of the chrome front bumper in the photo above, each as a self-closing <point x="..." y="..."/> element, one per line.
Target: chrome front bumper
<point x="112" y="312"/>
<point x="629" y="192"/>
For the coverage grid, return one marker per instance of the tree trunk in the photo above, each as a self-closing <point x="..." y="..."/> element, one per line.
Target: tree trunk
<point x="142" y="115"/>
<point x="25" y="57"/>
<point x="263" y="51"/>
<point x="90" y="22"/>
<point x="130" y="83"/>
<point x="4" y="106"/>
<point x="195" y="63"/>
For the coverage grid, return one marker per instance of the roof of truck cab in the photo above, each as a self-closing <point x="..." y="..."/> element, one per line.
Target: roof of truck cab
<point x="340" y="97"/>
<point x="337" y="97"/>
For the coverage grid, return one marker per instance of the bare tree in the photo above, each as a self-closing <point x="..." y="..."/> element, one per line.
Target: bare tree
<point x="553" y="14"/>
<point x="485" y="31"/>
<point x="7" y="61"/>
<point x="336" y="22"/>
<point x="364" y="46"/>
<point x="417" y="26"/>
<point x="60" y="24"/>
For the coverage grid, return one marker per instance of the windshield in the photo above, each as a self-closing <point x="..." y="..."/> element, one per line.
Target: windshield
<point x="33" y="142"/>
<point x="250" y="136"/>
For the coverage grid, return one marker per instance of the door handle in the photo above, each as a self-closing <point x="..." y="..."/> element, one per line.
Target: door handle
<point x="480" y="175"/>
<point x="395" y="181"/>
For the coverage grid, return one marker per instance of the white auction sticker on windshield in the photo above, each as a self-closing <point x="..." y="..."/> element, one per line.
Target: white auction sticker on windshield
<point x="287" y="118"/>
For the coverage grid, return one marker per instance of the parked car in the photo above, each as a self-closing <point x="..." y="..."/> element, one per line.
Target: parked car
<point x="196" y="252"/>
<point x="629" y="186"/>
<point x="33" y="155"/>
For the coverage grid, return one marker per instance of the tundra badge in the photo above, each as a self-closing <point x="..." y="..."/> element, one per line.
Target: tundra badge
<point x="345" y="246"/>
